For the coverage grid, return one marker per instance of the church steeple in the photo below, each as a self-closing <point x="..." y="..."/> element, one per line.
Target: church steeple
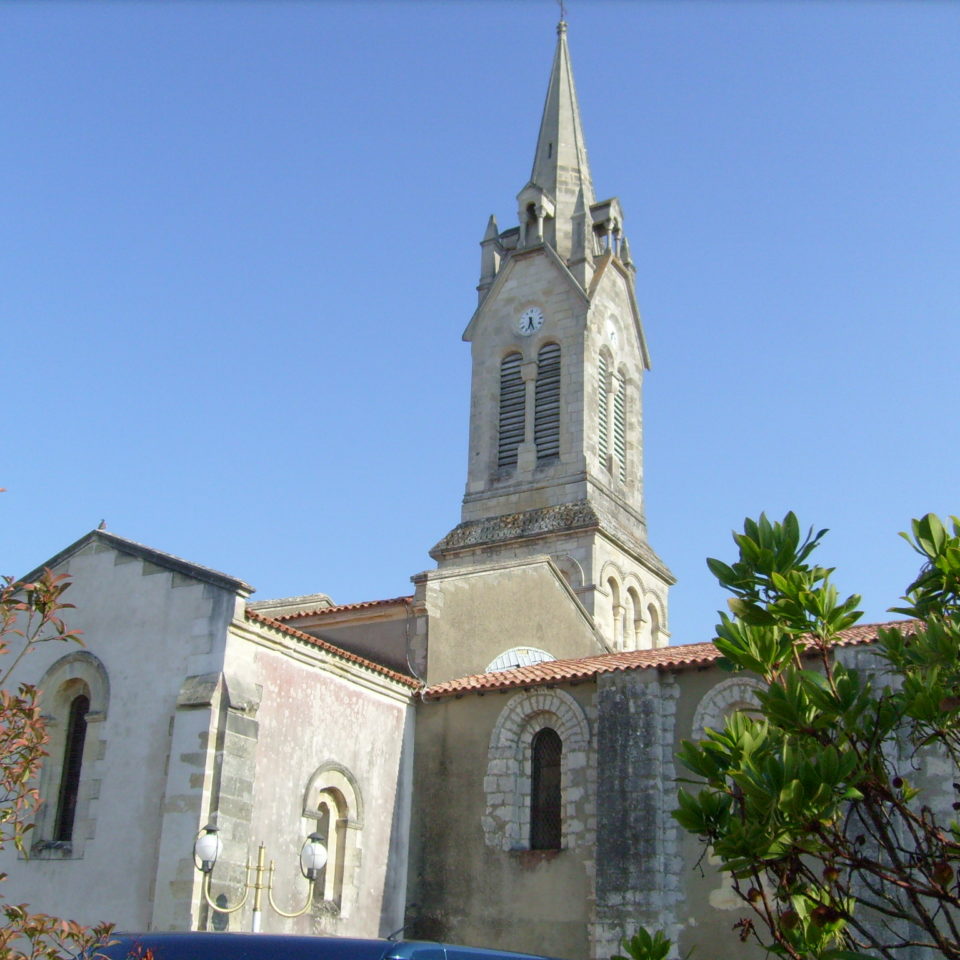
<point x="554" y="203"/>
<point x="556" y="426"/>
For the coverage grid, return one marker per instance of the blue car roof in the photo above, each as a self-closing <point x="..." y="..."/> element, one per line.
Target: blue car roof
<point x="267" y="946"/>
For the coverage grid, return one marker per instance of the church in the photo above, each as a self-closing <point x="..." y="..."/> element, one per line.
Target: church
<point x="489" y="760"/>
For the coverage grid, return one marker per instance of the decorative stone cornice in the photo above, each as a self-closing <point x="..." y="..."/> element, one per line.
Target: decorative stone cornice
<point x="579" y="515"/>
<point x="545" y="522"/>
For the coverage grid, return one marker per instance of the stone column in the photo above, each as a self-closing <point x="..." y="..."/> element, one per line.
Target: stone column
<point x="637" y="861"/>
<point x="210" y="772"/>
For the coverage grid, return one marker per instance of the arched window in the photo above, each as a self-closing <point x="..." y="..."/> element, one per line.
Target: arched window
<point x="518" y="657"/>
<point x="324" y="817"/>
<point x="512" y="410"/>
<point x="603" y="413"/>
<point x="531" y="234"/>
<point x="546" y="416"/>
<point x="333" y="808"/>
<point x="72" y="762"/>
<point x="571" y="570"/>
<point x="518" y="781"/>
<point x="633" y="620"/>
<point x="332" y="827"/>
<point x="620" y="427"/>
<point x="730" y="695"/>
<point x="616" y="613"/>
<point x="545" y="793"/>
<point x="654" y="626"/>
<point x="74" y="698"/>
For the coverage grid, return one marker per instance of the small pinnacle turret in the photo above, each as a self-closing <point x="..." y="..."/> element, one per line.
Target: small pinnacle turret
<point x="490" y="257"/>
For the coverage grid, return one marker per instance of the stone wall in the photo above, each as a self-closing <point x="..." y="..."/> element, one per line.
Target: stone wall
<point x="147" y="627"/>
<point x="474" y="879"/>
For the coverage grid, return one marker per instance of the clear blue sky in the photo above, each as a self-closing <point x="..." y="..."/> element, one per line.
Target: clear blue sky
<point x="239" y="249"/>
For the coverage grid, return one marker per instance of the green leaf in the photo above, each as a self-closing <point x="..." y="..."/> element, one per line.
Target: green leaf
<point x="724" y="573"/>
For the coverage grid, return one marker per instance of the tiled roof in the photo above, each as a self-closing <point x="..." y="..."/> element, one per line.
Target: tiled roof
<point x="256" y="617"/>
<point x="867" y="632"/>
<point x="345" y="607"/>
<point x="582" y="668"/>
<point x="561" y="671"/>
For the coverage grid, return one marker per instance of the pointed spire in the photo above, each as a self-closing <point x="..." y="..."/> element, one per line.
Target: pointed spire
<point x="560" y="165"/>
<point x="555" y="206"/>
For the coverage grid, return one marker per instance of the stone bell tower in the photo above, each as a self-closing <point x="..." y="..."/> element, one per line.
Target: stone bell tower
<point x="556" y="428"/>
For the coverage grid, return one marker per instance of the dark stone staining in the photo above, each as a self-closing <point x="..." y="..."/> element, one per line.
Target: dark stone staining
<point x="242" y="726"/>
<point x="629" y="793"/>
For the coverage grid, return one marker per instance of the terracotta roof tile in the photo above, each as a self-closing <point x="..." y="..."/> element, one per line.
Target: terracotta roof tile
<point x="333" y="648"/>
<point x="560" y="671"/>
<point x="582" y="668"/>
<point x="344" y="607"/>
<point x="867" y="632"/>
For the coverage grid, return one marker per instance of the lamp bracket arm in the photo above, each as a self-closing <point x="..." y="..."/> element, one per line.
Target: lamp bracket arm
<point x="224" y="909"/>
<point x="299" y="913"/>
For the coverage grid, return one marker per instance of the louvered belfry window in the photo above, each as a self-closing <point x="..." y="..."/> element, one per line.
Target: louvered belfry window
<point x="512" y="409"/>
<point x="620" y="427"/>
<point x="603" y="414"/>
<point x="70" y="775"/>
<point x="545" y="796"/>
<point x="546" y="419"/>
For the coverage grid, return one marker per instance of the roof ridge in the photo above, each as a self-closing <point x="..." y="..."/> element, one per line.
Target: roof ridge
<point x="151" y="554"/>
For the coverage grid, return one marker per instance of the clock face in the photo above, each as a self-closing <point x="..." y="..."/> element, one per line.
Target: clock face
<point x="530" y="321"/>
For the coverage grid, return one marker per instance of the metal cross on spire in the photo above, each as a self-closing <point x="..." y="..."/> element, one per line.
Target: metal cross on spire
<point x="563" y="9"/>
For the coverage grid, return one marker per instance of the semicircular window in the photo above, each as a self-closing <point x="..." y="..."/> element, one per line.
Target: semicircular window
<point x="518" y="657"/>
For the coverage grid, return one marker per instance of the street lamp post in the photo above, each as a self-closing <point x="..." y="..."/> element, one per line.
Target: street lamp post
<point x="207" y="849"/>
